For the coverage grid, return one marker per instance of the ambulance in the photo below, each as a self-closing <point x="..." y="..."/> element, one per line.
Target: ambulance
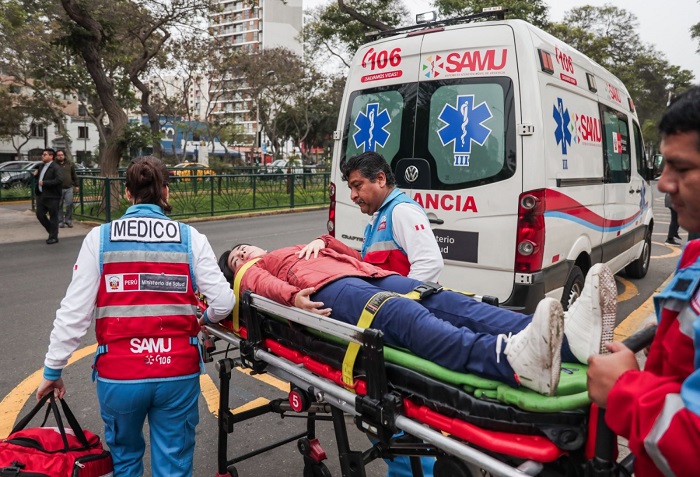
<point x="526" y="155"/>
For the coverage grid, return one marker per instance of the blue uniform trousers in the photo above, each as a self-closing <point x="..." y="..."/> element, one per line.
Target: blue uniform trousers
<point x="447" y="328"/>
<point x="173" y="414"/>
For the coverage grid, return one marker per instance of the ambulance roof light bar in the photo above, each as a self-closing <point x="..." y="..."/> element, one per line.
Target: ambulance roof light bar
<point x="426" y="17"/>
<point x="491" y="12"/>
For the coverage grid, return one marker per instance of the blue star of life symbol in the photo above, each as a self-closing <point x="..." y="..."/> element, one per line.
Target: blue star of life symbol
<point x="370" y="128"/>
<point x="464" y="125"/>
<point x="562" y="118"/>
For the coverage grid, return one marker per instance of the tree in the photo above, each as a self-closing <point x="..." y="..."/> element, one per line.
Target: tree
<point x="533" y="11"/>
<point x="609" y="36"/>
<point x="271" y="80"/>
<point x="338" y="29"/>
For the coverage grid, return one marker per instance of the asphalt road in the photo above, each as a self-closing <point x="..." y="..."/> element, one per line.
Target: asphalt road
<point x="34" y="280"/>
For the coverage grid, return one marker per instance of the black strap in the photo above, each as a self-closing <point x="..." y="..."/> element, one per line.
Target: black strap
<point x="70" y="418"/>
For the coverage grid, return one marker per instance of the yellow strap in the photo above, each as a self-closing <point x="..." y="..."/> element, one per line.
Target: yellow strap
<point x="237" y="292"/>
<point x="365" y="321"/>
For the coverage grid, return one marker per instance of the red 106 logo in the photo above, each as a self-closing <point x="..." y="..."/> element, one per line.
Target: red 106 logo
<point x="614" y="93"/>
<point x="381" y="59"/>
<point x="564" y="60"/>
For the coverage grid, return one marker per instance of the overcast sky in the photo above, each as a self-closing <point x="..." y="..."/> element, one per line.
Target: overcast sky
<point x="662" y="23"/>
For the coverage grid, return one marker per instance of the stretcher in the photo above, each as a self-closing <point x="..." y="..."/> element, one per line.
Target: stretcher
<point x="472" y="426"/>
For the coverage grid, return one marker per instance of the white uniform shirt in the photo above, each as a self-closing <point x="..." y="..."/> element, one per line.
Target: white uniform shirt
<point x="413" y="234"/>
<point x="75" y="315"/>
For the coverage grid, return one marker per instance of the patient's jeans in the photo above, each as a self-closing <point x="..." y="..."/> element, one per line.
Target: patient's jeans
<point x="447" y="328"/>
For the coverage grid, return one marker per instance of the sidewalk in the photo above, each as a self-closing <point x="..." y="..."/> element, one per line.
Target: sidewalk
<point x="23" y="226"/>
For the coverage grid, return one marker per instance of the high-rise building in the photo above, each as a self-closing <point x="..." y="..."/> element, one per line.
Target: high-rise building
<point x="251" y="25"/>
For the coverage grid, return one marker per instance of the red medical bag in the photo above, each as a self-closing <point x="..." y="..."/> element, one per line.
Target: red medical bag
<point x="61" y="451"/>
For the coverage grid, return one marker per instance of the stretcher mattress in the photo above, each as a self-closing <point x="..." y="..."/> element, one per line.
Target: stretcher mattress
<point x="485" y="403"/>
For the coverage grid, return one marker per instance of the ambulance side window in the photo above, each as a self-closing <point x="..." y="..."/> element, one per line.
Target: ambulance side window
<point x="639" y="153"/>
<point x="616" y="146"/>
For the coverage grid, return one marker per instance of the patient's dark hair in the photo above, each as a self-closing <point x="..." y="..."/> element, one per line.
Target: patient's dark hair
<point x="223" y="263"/>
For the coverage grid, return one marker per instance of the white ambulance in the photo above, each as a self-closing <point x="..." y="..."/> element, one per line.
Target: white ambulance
<point x="526" y="155"/>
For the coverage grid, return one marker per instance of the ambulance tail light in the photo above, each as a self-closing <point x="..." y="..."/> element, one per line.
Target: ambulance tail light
<point x="330" y="225"/>
<point x="531" y="232"/>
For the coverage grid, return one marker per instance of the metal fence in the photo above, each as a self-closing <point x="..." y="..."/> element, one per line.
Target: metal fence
<point x="207" y="196"/>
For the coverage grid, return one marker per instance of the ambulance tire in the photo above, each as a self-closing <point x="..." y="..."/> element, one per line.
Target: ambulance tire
<point x="640" y="267"/>
<point x="573" y="287"/>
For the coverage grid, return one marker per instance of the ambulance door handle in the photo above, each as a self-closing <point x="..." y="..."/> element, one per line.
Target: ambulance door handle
<point x="638" y="191"/>
<point x="436" y="221"/>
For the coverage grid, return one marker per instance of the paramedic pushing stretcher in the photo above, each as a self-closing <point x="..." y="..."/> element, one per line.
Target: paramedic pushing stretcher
<point x="447" y="328"/>
<point x="658" y="409"/>
<point x="137" y="276"/>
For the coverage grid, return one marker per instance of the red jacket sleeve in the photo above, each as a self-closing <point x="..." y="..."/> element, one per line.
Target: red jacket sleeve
<point x="335" y="244"/>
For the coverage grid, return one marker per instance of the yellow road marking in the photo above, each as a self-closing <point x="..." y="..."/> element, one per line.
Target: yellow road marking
<point x="636" y="319"/>
<point x="675" y="251"/>
<point x="266" y="378"/>
<point x="630" y="290"/>
<point x="250" y="405"/>
<point x="12" y="404"/>
<point x="210" y="393"/>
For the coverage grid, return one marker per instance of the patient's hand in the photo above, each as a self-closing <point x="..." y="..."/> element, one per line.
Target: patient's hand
<point x="303" y="301"/>
<point x="605" y="370"/>
<point x="312" y="247"/>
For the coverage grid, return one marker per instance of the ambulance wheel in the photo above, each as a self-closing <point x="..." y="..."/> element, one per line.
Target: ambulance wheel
<point x="640" y="267"/>
<point x="316" y="470"/>
<point x="573" y="287"/>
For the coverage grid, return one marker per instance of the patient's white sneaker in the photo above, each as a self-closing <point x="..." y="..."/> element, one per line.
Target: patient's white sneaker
<point x="535" y="352"/>
<point x="590" y="321"/>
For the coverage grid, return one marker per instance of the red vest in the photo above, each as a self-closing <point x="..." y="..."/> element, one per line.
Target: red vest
<point x="146" y="322"/>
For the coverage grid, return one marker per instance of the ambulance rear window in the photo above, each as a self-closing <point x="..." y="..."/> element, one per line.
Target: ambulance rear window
<point x="462" y="130"/>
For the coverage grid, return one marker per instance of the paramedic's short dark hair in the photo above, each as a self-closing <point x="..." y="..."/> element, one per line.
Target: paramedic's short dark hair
<point x="683" y="115"/>
<point x="369" y="164"/>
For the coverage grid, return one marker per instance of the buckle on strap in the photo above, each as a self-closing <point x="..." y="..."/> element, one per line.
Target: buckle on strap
<point x="426" y="289"/>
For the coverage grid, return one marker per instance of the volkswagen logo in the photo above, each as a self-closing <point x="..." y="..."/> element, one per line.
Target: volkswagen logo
<point x="411" y="174"/>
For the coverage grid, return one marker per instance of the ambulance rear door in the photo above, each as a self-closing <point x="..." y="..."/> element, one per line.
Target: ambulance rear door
<point x="465" y="165"/>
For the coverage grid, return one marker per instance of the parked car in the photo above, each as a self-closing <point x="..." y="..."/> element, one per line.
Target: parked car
<point x="186" y="170"/>
<point x="14" y="174"/>
<point x="282" y="166"/>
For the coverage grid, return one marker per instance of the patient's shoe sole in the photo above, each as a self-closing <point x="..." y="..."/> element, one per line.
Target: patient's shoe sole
<point x="607" y="290"/>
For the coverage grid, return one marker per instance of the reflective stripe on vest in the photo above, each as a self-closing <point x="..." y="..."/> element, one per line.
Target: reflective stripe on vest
<point x="672" y="406"/>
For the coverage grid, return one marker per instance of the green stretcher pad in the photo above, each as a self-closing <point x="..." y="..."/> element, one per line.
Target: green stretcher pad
<point x="571" y="393"/>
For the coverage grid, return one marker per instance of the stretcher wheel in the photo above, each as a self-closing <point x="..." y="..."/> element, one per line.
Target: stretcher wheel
<point x="316" y="470"/>
<point x="232" y="472"/>
<point x="446" y="466"/>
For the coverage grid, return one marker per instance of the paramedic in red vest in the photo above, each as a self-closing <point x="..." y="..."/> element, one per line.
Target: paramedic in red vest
<point x="398" y="236"/>
<point x="137" y="276"/>
<point x="658" y="409"/>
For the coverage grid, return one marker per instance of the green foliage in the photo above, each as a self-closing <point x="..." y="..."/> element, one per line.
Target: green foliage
<point x="331" y="31"/>
<point x="609" y="35"/>
<point x="533" y="11"/>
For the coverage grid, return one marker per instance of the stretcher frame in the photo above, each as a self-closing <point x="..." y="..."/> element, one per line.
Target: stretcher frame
<point x="378" y="413"/>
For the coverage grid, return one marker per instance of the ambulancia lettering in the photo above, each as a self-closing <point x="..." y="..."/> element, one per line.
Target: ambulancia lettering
<point x="150" y="345"/>
<point x="144" y="229"/>
<point x="478" y="60"/>
<point x="446" y="202"/>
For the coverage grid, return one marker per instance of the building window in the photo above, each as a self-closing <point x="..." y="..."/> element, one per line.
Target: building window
<point x="83" y="132"/>
<point x="38" y="130"/>
<point x="82" y="110"/>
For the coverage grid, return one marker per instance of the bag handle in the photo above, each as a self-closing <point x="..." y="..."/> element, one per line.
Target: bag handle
<point x="70" y="418"/>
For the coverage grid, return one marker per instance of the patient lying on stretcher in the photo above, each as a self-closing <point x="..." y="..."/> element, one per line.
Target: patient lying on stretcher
<point x="447" y="327"/>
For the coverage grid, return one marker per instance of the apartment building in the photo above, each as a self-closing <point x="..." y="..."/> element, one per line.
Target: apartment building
<point x="251" y="25"/>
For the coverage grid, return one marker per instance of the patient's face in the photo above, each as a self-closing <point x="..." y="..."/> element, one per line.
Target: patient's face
<point x="242" y="253"/>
